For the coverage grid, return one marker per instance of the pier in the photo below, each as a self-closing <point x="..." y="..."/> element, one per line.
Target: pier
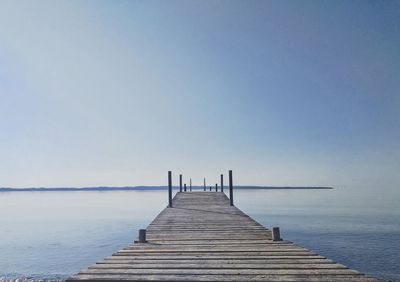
<point x="202" y="236"/>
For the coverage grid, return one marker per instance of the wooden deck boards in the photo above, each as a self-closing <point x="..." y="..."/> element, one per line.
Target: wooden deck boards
<point x="203" y="238"/>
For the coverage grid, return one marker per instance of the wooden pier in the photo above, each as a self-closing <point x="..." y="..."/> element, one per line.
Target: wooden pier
<point x="200" y="236"/>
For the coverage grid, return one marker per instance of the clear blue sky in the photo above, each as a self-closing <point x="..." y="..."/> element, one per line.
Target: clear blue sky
<point x="118" y="92"/>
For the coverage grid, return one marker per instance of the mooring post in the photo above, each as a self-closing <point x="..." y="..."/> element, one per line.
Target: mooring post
<point x="170" y="189"/>
<point x="222" y="183"/>
<point x="190" y="185"/>
<point x="184" y="187"/>
<point x="204" y="183"/>
<point x="276" y="234"/>
<point x="230" y="188"/>
<point x="180" y="182"/>
<point x="142" y="236"/>
<point x="216" y="187"/>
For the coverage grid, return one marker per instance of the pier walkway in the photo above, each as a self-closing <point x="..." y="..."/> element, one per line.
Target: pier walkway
<point x="203" y="238"/>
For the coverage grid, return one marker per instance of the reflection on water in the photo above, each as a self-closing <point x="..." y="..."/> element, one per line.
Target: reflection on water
<point x="55" y="234"/>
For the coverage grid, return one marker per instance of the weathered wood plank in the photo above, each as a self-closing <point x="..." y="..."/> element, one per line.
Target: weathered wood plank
<point x="225" y="242"/>
<point x="185" y="271"/>
<point x="119" y="260"/>
<point x="219" y="255"/>
<point x="196" y="265"/>
<point x="221" y="245"/>
<point x="215" y="257"/>
<point x="286" y="278"/>
<point x="213" y="249"/>
<point x="237" y="254"/>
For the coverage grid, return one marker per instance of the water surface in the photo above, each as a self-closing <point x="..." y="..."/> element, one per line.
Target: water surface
<point x="51" y="235"/>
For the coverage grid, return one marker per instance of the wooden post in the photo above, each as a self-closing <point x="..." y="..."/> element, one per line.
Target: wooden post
<point x="222" y="183"/>
<point x="142" y="236"/>
<point x="180" y="182"/>
<point x="216" y="187"/>
<point x="170" y="189"/>
<point x="230" y="188"/>
<point x="184" y="187"/>
<point x="276" y="234"/>
<point x="190" y="185"/>
<point x="204" y="183"/>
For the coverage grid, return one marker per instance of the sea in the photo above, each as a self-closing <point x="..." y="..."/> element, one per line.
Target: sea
<point x="52" y="235"/>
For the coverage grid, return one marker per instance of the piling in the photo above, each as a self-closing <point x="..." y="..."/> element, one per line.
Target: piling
<point x="230" y="188"/>
<point x="276" y="234"/>
<point x="222" y="183"/>
<point x="170" y="189"/>
<point x="142" y="236"/>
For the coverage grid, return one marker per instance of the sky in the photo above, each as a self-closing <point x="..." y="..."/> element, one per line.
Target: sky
<point x="116" y="93"/>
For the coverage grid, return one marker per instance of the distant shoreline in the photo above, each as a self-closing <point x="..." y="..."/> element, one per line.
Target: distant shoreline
<point x="151" y="188"/>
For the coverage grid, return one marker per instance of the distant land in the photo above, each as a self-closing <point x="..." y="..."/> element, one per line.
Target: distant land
<point x="146" y="188"/>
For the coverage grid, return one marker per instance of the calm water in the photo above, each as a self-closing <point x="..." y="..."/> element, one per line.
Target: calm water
<point x="51" y="235"/>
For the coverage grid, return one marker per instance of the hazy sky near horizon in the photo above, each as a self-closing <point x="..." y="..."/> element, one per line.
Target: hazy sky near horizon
<point x="118" y="92"/>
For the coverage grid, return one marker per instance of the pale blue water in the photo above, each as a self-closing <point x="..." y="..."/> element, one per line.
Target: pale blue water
<point x="51" y="235"/>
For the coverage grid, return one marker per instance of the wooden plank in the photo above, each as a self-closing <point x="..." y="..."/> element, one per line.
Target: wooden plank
<point x="215" y="248"/>
<point x="286" y="278"/>
<point x="118" y="260"/>
<point x="222" y="245"/>
<point x="214" y="257"/>
<point x="184" y="271"/>
<point x="206" y="237"/>
<point x="279" y="255"/>
<point x="225" y="242"/>
<point x="237" y="254"/>
<point x="196" y="265"/>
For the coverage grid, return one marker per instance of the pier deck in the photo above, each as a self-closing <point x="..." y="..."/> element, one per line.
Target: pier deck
<point x="203" y="238"/>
